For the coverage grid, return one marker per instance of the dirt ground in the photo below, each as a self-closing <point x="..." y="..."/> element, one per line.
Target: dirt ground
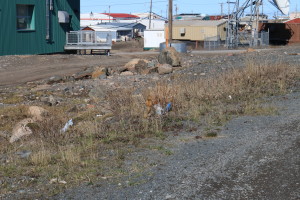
<point x="21" y="69"/>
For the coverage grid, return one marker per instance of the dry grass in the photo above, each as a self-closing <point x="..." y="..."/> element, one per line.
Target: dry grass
<point x="74" y="156"/>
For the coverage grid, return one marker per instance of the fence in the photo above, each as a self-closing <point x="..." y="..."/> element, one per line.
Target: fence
<point x="212" y="43"/>
<point x="253" y="39"/>
<point x="88" y="38"/>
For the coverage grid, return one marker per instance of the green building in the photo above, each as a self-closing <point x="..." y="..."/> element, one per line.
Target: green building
<point x="36" y="26"/>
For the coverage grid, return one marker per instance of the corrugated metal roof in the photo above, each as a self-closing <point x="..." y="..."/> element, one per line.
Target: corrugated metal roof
<point x="108" y="27"/>
<point x="125" y="25"/>
<point x="293" y="21"/>
<point x="121" y="15"/>
<point x="198" y="22"/>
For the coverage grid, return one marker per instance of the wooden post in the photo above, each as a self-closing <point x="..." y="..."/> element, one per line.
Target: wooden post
<point x="167" y="36"/>
<point x="150" y="13"/>
<point x="170" y="22"/>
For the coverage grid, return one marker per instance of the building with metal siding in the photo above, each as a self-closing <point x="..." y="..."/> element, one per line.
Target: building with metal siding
<point x="25" y="25"/>
<point x="199" y="30"/>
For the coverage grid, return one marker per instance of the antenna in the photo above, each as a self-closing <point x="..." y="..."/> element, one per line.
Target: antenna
<point x="221" y="4"/>
<point x="109" y="13"/>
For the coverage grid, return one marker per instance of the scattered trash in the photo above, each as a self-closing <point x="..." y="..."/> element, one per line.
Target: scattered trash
<point x="168" y="107"/>
<point x="230" y="97"/>
<point x="62" y="182"/>
<point x="67" y="125"/>
<point x="99" y="115"/>
<point x="158" y="109"/>
<point x="56" y="180"/>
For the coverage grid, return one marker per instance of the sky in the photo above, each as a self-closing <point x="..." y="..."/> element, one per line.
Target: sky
<point x="211" y="7"/>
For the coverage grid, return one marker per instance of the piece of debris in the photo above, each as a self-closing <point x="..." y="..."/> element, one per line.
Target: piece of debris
<point x="56" y="180"/>
<point x="67" y="126"/>
<point x="169" y="56"/>
<point x="168" y="107"/>
<point x="158" y="109"/>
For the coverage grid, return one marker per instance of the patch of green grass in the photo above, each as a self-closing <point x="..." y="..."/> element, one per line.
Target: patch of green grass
<point x="12" y="99"/>
<point x="211" y="134"/>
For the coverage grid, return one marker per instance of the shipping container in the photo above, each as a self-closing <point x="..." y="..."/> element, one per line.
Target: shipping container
<point x="153" y="38"/>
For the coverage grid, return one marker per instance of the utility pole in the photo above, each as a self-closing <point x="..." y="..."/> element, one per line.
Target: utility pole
<point x="176" y="8"/>
<point x="109" y="14"/>
<point x="170" y="22"/>
<point x="221" y="4"/>
<point x="150" y="14"/>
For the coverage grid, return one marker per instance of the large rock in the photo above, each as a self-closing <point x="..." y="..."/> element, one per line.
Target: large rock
<point x="149" y="70"/>
<point x="164" y="69"/>
<point x="37" y="113"/>
<point x="137" y="65"/>
<point x="169" y="56"/>
<point x="21" y="129"/>
<point x="100" y="72"/>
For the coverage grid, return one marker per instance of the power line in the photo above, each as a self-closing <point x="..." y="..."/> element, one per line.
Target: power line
<point x="124" y="4"/>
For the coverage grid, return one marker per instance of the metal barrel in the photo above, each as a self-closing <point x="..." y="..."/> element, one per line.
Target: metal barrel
<point x="179" y="47"/>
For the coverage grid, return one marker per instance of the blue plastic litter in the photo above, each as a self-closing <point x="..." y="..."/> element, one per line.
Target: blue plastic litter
<point x="168" y="107"/>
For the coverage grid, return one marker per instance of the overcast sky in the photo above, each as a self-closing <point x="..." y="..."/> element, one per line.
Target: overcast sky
<point x="160" y="6"/>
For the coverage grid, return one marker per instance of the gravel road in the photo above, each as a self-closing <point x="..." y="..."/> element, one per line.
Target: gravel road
<point x="255" y="157"/>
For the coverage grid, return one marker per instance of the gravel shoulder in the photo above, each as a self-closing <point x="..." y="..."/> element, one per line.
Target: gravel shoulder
<point x="254" y="157"/>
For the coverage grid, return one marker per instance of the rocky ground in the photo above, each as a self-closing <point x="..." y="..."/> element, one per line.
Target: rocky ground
<point x="252" y="157"/>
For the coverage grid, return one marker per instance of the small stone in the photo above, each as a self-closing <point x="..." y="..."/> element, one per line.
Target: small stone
<point x="164" y="69"/>
<point x="54" y="79"/>
<point x="127" y="73"/>
<point x="37" y="113"/>
<point x="21" y="129"/>
<point x="102" y="77"/>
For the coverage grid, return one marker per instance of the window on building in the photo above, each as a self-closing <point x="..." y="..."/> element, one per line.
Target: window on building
<point x="25" y="17"/>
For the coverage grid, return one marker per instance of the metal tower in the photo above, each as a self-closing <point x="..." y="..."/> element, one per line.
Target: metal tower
<point x="234" y="19"/>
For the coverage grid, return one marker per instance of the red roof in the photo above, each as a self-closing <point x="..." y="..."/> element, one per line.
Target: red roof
<point x="293" y="21"/>
<point x="121" y="15"/>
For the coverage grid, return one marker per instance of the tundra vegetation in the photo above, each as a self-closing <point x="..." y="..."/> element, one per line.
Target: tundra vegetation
<point x="96" y="146"/>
